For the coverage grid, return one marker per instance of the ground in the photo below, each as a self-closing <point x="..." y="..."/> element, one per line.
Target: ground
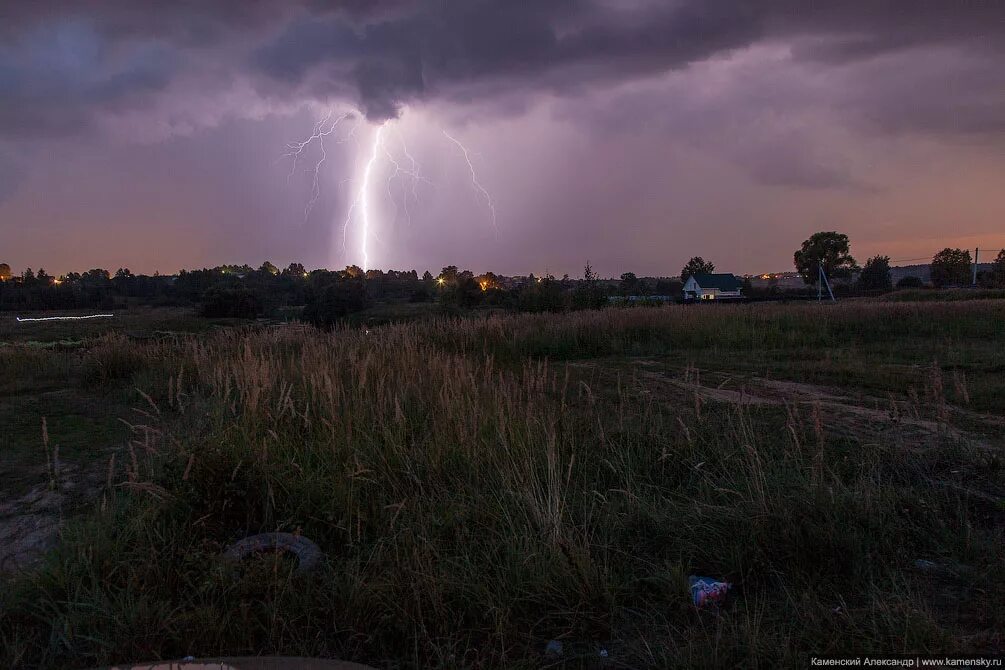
<point x="483" y="486"/>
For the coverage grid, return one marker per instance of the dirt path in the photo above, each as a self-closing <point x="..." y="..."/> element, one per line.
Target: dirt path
<point x="30" y="524"/>
<point x="862" y="416"/>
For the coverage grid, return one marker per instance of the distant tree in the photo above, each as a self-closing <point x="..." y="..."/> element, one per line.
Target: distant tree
<point x="420" y="294"/>
<point x="488" y="281"/>
<point x="427" y="276"/>
<point x="4" y="272"/>
<point x="543" y="295"/>
<point x="875" y="275"/>
<point x="696" y="266"/>
<point x="828" y="248"/>
<point x="354" y="271"/>
<point x="42" y="277"/>
<point x="97" y="275"/>
<point x="629" y="284"/>
<point x="950" y="266"/>
<point x="123" y="273"/>
<point x="28" y="276"/>
<point x="448" y="275"/>
<point x="667" y="286"/>
<point x="463" y="291"/>
<point x="589" y="294"/>
<point x="230" y="302"/>
<point x="295" y="270"/>
<point x="997" y="269"/>
<point x="335" y="301"/>
<point x="910" y="282"/>
<point x="269" y="268"/>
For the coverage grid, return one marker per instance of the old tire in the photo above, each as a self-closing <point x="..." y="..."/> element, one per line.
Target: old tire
<point x="308" y="554"/>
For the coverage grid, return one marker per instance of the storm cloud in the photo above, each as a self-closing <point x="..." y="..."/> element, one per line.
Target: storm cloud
<point x="831" y="108"/>
<point x="65" y="62"/>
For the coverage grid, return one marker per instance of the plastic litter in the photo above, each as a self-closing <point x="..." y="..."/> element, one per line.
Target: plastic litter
<point x="948" y="569"/>
<point x="708" y="592"/>
<point x="553" y="648"/>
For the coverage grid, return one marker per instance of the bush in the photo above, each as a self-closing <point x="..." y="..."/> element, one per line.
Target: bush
<point x="239" y="303"/>
<point x="334" y="302"/>
<point x="910" y="282"/>
<point x="113" y="358"/>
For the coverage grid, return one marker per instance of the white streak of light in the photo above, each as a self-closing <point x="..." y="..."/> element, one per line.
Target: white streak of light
<point x="66" y="318"/>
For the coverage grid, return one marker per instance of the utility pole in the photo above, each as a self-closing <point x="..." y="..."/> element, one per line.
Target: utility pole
<point x="821" y="280"/>
<point x="974" y="282"/>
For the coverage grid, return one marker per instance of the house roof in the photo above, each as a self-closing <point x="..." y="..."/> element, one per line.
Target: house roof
<point x="724" y="282"/>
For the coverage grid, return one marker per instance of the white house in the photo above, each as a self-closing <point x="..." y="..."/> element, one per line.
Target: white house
<point x="713" y="287"/>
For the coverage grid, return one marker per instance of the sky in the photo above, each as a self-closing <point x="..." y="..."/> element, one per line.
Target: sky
<point x="632" y="134"/>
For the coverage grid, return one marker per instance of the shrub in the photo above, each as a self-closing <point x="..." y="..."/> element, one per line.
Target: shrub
<point x="910" y="282"/>
<point x="335" y="301"/>
<point x="232" y="302"/>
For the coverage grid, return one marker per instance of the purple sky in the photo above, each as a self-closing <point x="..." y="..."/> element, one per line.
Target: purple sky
<point x="632" y="133"/>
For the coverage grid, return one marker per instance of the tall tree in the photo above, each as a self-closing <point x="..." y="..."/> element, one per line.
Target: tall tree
<point x="629" y="283"/>
<point x="589" y="294"/>
<point x="950" y="266"/>
<point x="295" y="270"/>
<point x="696" y="266"/>
<point x="997" y="269"/>
<point x="832" y="250"/>
<point x="448" y="275"/>
<point x="876" y="275"/>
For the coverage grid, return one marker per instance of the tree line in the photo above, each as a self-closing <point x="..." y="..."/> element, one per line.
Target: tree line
<point x="831" y="252"/>
<point x="327" y="296"/>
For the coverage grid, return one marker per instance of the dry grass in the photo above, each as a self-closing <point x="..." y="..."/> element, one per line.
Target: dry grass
<point x="476" y="496"/>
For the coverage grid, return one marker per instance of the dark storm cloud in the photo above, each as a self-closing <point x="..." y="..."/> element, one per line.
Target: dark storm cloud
<point x="380" y="55"/>
<point x="55" y="77"/>
<point x="439" y="48"/>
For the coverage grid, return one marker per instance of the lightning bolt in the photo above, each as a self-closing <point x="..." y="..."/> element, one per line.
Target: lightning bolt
<point x="322" y="129"/>
<point x="363" y="204"/>
<point x="412" y="174"/>
<point x="362" y="199"/>
<point x="474" y="179"/>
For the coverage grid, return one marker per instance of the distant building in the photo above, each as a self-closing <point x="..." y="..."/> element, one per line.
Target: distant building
<point x="723" y="286"/>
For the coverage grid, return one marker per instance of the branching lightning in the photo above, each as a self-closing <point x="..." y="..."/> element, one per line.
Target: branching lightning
<point x="322" y="129"/>
<point x="412" y="173"/>
<point x="363" y="201"/>
<point x="474" y="179"/>
<point x="363" y="205"/>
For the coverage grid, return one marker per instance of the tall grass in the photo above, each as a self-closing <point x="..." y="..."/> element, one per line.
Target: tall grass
<point x="476" y="496"/>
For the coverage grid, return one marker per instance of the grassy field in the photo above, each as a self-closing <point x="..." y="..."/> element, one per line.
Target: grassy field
<point x="482" y="486"/>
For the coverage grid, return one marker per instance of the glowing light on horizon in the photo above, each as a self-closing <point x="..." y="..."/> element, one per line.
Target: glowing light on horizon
<point x="64" y="318"/>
